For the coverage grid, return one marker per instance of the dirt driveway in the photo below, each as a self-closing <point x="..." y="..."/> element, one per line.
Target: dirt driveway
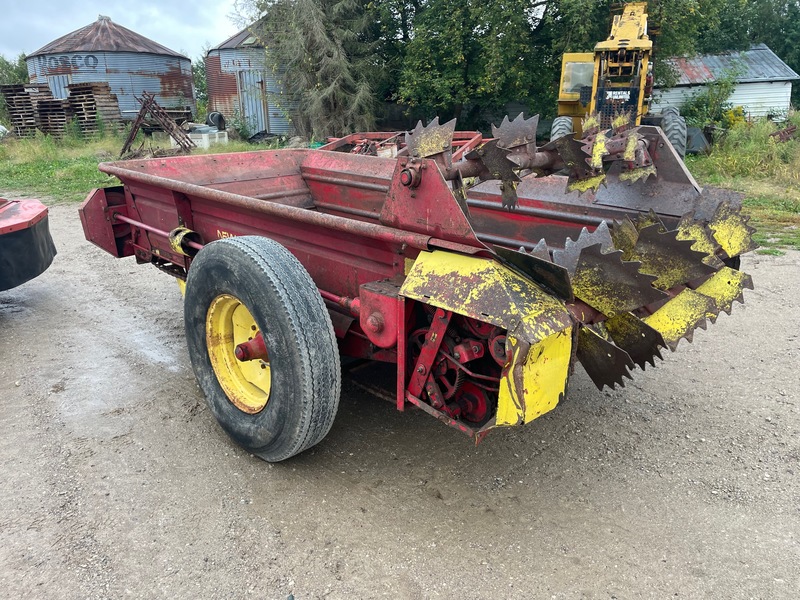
<point x="117" y="482"/>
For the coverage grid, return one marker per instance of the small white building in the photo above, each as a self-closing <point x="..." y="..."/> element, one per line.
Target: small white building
<point x="763" y="82"/>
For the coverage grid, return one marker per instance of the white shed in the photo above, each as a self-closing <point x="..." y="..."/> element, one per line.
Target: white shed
<point x="763" y="82"/>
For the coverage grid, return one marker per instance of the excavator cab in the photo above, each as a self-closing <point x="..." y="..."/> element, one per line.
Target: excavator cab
<point x="614" y="79"/>
<point x="614" y="84"/>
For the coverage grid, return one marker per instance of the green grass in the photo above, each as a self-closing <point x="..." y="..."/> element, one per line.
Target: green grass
<point x="65" y="170"/>
<point x="767" y="172"/>
<point x="60" y="170"/>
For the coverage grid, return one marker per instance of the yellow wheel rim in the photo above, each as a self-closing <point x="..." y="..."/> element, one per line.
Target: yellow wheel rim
<point x="245" y="383"/>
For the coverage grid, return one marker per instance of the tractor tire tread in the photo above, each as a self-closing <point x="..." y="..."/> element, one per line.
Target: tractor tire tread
<point x="561" y="126"/>
<point x="674" y="127"/>
<point x="321" y="415"/>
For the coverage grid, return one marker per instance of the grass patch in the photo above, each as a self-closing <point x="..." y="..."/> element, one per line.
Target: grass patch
<point x="748" y="160"/>
<point x="61" y="169"/>
<point x="65" y="170"/>
<point x="770" y="252"/>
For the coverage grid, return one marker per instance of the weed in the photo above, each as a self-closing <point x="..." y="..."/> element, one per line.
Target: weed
<point x="767" y="171"/>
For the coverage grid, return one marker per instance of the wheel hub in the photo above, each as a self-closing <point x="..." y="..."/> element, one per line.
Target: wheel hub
<point x="231" y="333"/>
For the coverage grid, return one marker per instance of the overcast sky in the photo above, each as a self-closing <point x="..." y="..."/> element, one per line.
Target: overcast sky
<point x="180" y="25"/>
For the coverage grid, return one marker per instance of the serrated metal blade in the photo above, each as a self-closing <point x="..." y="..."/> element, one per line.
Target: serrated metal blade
<point x="678" y="318"/>
<point x="637" y="338"/>
<point x="496" y="163"/>
<point x="544" y="272"/>
<point x="624" y="234"/>
<point x="518" y="132"/>
<point x="604" y="362"/>
<point x="647" y="219"/>
<point x="696" y="230"/>
<point x="670" y="259"/>
<point x="568" y="257"/>
<point x="430" y="140"/>
<point x="725" y="287"/>
<point x="731" y="230"/>
<point x="608" y="284"/>
<point x="541" y="250"/>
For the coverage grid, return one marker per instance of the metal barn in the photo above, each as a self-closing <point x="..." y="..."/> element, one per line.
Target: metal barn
<point x="763" y="84"/>
<point x="242" y="86"/>
<point x="130" y="63"/>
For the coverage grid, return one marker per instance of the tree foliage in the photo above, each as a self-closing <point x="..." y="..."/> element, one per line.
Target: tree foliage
<point x="469" y="58"/>
<point x="13" y="71"/>
<point x="200" y="83"/>
<point x="323" y="45"/>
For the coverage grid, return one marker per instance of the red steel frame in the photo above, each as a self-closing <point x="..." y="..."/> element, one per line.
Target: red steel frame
<point x="345" y="217"/>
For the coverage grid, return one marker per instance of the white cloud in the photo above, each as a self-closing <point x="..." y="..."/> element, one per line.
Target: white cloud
<point x="180" y="25"/>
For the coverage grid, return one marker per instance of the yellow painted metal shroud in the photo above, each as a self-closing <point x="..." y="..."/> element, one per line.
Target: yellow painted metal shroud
<point x="539" y="341"/>
<point x="648" y="287"/>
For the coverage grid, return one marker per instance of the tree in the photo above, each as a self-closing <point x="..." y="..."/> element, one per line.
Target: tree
<point x="199" y="81"/>
<point x="11" y="71"/>
<point x="322" y="48"/>
<point x="742" y="23"/>
<point x="466" y="56"/>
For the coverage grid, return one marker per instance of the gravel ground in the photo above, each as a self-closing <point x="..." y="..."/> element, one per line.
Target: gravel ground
<point x="117" y="482"/>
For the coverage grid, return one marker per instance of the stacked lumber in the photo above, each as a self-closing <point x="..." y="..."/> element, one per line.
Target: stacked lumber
<point x="93" y="103"/>
<point x="22" y="102"/>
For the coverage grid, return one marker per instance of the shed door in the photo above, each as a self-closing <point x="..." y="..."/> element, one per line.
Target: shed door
<point x="58" y="84"/>
<point x="253" y="100"/>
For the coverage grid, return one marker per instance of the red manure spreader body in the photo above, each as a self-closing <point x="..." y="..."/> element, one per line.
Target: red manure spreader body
<point x="483" y="268"/>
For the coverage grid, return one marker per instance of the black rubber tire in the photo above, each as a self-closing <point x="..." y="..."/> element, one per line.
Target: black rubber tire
<point x="561" y="126"/>
<point x="674" y="127"/>
<point x="216" y="119"/>
<point x="303" y="354"/>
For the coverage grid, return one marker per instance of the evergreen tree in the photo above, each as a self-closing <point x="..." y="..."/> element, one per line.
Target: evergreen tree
<point x="322" y="48"/>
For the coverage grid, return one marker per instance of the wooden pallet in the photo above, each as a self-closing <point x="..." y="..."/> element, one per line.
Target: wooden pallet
<point x="22" y="101"/>
<point x="53" y="116"/>
<point x="93" y="103"/>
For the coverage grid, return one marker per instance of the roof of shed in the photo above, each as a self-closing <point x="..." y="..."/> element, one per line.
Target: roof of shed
<point x="249" y="37"/>
<point x="754" y="65"/>
<point x="104" y="36"/>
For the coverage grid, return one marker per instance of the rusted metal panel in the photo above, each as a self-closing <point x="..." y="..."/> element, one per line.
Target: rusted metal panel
<point x="103" y="36"/>
<point x="223" y="93"/>
<point x="128" y="74"/>
<point x="757" y="64"/>
<point x="242" y="85"/>
<point x="253" y="100"/>
<point x="58" y="84"/>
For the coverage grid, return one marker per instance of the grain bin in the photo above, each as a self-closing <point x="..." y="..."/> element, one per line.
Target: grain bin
<point x="129" y="62"/>
<point x="243" y="86"/>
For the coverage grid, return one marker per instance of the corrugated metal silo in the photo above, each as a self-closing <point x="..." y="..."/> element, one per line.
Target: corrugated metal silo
<point x="242" y="86"/>
<point x="129" y="62"/>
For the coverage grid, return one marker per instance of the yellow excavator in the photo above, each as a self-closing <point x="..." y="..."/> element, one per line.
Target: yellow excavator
<point x="616" y="79"/>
